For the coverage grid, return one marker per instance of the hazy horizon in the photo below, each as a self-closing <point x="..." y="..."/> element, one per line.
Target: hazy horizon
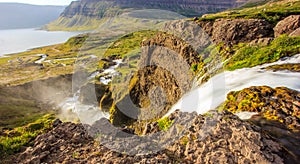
<point x="41" y="2"/>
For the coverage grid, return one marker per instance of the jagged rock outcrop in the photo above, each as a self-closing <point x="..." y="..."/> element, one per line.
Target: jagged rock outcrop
<point x="229" y="141"/>
<point x="287" y="25"/>
<point x="234" y="31"/>
<point x="164" y="75"/>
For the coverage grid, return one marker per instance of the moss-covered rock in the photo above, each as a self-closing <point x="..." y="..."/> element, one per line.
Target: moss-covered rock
<point x="164" y="73"/>
<point x="280" y="104"/>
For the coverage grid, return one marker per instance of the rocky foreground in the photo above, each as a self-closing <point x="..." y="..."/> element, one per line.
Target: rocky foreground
<point x="230" y="140"/>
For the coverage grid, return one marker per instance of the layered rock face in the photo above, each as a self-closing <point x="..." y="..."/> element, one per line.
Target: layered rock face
<point x="229" y="141"/>
<point x="89" y="14"/>
<point x="98" y="9"/>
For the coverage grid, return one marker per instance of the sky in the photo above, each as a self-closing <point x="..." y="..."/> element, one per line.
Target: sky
<point x="42" y="2"/>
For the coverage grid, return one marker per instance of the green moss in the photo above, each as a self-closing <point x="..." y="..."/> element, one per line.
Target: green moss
<point x="165" y="123"/>
<point x="250" y="56"/>
<point x="23" y="136"/>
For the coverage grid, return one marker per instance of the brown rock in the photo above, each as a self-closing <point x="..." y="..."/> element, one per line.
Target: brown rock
<point x="234" y="31"/>
<point x="296" y="32"/>
<point x="230" y="140"/>
<point x="164" y="75"/>
<point x="287" y="25"/>
<point x="207" y="26"/>
<point x="261" y="41"/>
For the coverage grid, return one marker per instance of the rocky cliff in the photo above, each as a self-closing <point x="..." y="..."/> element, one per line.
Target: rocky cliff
<point x="164" y="75"/>
<point x="88" y="13"/>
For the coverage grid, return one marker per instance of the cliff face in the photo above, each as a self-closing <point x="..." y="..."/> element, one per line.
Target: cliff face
<point x="96" y="8"/>
<point x="80" y="13"/>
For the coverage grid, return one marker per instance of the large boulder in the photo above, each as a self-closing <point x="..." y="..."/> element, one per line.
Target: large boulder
<point x="287" y="25"/>
<point x="231" y="32"/>
<point x="296" y="32"/>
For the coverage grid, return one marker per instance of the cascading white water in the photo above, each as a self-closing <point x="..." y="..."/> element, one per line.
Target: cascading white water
<point x="212" y="93"/>
<point x="89" y="113"/>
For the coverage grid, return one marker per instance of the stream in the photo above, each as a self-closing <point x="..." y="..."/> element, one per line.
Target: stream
<point x="211" y="94"/>
<point x="204" y="97"/>
<point x="88" y="114"/>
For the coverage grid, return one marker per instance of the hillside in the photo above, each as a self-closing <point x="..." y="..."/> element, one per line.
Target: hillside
<point x="88" y="14"/>
<point x="19" y="15"/>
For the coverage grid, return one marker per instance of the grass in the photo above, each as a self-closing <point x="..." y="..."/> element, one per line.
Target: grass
<point x="21" y="68"/>
<point x="250" y="56"/>
<point x="272" y="12"/>
<point x="23" y="136"/>
<point x="127" y="45"/>
<point x="18" y="115"/>
<point x="254" y="4"/>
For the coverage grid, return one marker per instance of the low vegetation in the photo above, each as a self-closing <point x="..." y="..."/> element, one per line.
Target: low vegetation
<point x="127" y="45"/>
<point x="12" y="141"/>
<point x="250" y="56"/>
<point x="164" y="123"/>
<point x="272" y="12"/>
<point x="23" y="67"/>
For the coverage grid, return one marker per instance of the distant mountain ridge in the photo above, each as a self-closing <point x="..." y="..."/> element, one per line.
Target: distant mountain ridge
<point x="18" y="15"/>
<point x="84" y="14"/>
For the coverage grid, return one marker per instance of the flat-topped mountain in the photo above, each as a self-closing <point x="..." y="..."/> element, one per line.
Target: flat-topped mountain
<point x="84" y="14"/>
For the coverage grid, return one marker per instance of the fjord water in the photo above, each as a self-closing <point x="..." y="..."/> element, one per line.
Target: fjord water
<point x="19" y="40"/>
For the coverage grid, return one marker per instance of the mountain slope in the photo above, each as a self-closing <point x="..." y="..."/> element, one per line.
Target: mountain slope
<point x="17" y="15"/>
<point x="87" y="14"/>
